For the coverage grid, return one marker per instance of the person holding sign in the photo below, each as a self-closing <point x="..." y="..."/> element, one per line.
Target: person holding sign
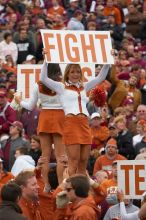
<point x="51" y="118"/>
<point x="72" y="94"/>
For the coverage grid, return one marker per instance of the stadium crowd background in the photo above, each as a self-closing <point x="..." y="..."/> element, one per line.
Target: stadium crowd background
<point x="117" y="106"/>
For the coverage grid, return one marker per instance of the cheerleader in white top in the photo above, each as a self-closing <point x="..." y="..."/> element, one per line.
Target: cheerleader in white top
<point x="51" y="118"/>
<point x="72" y="94"/>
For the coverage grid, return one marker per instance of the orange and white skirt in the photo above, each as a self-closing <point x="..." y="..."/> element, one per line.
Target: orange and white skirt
<point x="51" y="121"/>
<point x="76" y="130"/>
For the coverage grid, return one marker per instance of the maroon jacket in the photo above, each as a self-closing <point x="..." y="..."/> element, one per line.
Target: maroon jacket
<point x="7" y="116"/>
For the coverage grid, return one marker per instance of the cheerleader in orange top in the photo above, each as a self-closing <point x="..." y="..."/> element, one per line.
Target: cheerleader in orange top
<point x="51" y="118"/>
<point x="72" y="93"/>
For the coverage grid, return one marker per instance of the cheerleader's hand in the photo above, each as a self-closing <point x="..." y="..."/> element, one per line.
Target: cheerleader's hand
<point x="44" y="52"/>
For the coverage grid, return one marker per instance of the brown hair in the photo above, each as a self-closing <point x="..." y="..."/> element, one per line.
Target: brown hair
<point x="36" y="138"/>
<point x="80" y="183"/>
<point x="67" y="70"/>
<point x="22" y="178"/>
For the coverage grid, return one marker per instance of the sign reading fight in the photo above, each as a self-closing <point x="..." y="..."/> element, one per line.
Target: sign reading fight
<point x="132" y="178"/>
<point x="27" y="75"/>
<point x="77" y="46"/>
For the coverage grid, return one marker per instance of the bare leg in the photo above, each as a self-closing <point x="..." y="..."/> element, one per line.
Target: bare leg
<point x="84" y="155"/>
<point x="59" y="151"/>
<point x="46" y="146"/>
<point x="73" y="153"/>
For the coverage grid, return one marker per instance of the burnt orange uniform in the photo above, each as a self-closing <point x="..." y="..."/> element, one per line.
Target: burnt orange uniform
<point x="38" y="210"/>
<point x="104" y="163"/>
<point x="83" y="210"/>
<point x="5" y="177"/>
<point x="113" y="11"/>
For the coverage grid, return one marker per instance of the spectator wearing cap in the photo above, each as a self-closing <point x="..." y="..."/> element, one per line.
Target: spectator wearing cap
<point x="99" y="133"/>
<point x="124" y="138"/>
<point x="104" y="162"/>
<point x="4" y="175"/>
<point x="30" y="59"/>
<point x="139" y="127"/>
<point x="7" y="114"/>
<point x="142" y="144"/>
<point x="110" y="9"/>
<point x="8" y="47"/>
<point x="15" y="141"/>
<point x="122" y="90"/>
<point x="75" y="22"/>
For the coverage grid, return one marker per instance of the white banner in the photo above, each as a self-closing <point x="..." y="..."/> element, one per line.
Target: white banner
<point x="132" y="178"/>
<point x="64" y="46"/>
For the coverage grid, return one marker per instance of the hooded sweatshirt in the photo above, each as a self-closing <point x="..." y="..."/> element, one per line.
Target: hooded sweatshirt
<point x="23" y="162"/>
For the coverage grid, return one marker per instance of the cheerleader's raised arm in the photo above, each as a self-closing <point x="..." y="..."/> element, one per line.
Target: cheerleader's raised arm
<point x="97" y="80"/>
<point x="58" y="87"/>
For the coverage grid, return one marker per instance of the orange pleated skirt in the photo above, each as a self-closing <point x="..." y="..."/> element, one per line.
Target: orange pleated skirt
<point x="51" y="121"/>
<point x="76" y="130"/>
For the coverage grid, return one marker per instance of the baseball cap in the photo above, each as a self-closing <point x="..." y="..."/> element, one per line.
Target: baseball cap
<point x="30" y="57"/>
<point x="73" y="1"/>
<point x="18" y="124"/>
<point x="111" y="142"/>
<point x="95" y="115"/>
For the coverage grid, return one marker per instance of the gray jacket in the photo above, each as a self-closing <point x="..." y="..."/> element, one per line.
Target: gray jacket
<point x="14" y="144"/>
<point x="74" y="24"/>
<point x="114" y="211"/>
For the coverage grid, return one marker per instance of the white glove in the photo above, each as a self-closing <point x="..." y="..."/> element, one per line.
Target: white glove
<point x="62" y="200"/>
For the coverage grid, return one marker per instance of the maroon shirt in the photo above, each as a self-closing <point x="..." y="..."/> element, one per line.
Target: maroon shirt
<point x="6" y="120"/>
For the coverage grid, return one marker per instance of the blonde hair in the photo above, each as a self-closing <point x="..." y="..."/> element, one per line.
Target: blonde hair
<point x="67" y="71"/>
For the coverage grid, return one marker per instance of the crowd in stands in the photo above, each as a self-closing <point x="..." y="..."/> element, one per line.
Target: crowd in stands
<point x="117" y="112"/>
